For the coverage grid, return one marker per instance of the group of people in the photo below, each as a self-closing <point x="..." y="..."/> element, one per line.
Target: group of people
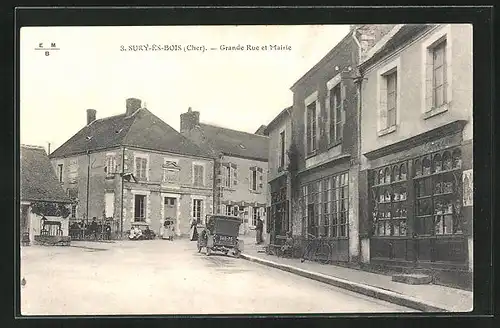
<point x="83" y="229"/>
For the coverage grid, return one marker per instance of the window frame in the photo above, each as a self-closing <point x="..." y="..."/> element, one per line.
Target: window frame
<point x="142" y="157"/>
<point x="144" y="208"/>
<point x="331" y="221"/>
<point x="194" y="209"/>
<point x="203" y="182"/>
<point x="314" y="136"/>
<point x="391" y="67"/>
<point x="282" y="145"/>
<point x="60" y="172"/>
<point x="436" y="38"/>
<point x="421" y="201"/>
<point x="110" y="157"/>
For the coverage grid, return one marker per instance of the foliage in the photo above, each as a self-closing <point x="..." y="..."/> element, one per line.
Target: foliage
<point x="293" y="166"/>
<point x="50" y="209"/>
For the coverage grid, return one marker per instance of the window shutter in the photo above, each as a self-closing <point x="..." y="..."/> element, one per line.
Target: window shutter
<point x="383" y="103"/>
<point x="235" y="174"/>
<point x="428" y="80"/>
<point x="137" y="166"/>
<point x="447" y="73"/>
<point x="144" y="168"/>
<point x="250" y="176"/>
<point x="328" y="115"/>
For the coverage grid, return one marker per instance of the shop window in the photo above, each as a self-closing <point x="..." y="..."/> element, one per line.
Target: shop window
<point x="390" y="202"/>
<point x="324" y="206"/>
<point x="438" y="196"/>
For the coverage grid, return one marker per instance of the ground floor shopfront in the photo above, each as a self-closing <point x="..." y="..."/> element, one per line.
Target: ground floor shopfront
<point x="279" y="223"/>
<point x="327" y="207"/>
<point x="418" y="202"/>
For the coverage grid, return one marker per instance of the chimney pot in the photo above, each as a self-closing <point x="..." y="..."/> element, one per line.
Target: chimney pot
<point x="132" y="104"/>
<point x="91" y="115"/>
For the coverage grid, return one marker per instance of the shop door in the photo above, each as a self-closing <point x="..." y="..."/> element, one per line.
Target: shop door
<point x="310" y="219"/>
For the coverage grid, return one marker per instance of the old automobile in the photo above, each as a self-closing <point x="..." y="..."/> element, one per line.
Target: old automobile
<point x="221" y="235"/>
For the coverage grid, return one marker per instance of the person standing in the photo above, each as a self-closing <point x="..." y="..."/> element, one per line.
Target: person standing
<point x="194" y="232"/>
<point x="93" y="227"/>
<point x="258" y="229"/>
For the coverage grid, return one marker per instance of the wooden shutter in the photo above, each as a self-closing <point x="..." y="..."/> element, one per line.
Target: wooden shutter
<point x="260" y="177"/>
<point x="328" y="117"/>
<point x="235" y="174"/>
<point x="250" y="177"/>
<point x="429" y="65"/>
<point x="383" y="103"/>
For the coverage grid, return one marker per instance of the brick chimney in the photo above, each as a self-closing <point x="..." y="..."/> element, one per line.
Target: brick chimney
<point x="369" y="35"/>
<point x="133" y="104"/>
<point x="189" y="120"/>
<point x="91" y="113"/>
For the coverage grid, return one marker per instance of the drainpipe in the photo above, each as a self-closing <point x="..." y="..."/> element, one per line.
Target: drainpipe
<point x="359" y="82"/>
<point x="88" y="183"/>
<point x="121" y="201"/>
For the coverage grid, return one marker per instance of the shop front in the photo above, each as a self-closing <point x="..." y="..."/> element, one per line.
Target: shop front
<point x="279" y="223"/>
<point x="325" y="207"/>
<point x="415" y="191"/>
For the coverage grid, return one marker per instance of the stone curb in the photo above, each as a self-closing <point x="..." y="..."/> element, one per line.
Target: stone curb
<point x="375" y="292"/>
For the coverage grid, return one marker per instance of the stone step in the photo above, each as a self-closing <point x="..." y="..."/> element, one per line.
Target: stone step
<point x="412" y="278"/>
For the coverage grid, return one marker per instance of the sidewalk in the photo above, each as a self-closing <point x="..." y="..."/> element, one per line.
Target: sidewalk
<point x="428" y="298"/>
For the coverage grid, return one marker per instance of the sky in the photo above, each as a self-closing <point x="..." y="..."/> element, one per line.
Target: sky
<point x="236" y="89"/>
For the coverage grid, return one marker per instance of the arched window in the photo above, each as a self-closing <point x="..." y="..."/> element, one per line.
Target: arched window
<point x="457" y="159"/>
<point x="381" y="176"/>
<point x="417" y="168"/>
<point x="387" y="175"/>
<point x="446" y="161"/>
<point x="437" y="163"/>
<point x="402" y="172"/>
<point x="395" y="173"/>
<point x="426" y="166"/>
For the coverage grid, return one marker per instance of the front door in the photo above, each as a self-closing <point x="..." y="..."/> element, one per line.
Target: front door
<point x="170" y="208"/>
<point x="25" y="226"/>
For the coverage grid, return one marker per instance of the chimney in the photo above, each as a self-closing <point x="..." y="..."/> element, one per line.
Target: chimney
<point x="91" y="115"/>
<point x="133" y="104"/>
<point x="189" y="120"/>
<point x="369" y="35"/>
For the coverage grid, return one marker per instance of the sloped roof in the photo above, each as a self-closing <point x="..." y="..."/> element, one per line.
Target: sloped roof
<point x="38" y="178"/>
<point x="284" y="113"/>
<point x="236" y="143"/>
<point x="142" y="129"/>
<point x="261" y="129"/>
<point x="404" y="35"/>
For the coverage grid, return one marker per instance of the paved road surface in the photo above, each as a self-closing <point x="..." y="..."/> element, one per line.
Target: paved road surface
<point x="162" y="277"/>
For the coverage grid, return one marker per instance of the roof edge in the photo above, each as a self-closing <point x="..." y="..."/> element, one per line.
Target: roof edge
<point x="322" y="61"/>
<point x="277" y="118"/>
<point x="221" y="127"/>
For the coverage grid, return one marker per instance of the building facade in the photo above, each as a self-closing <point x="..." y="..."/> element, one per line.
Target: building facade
<point x="134" y="167"/>
<point x="325" y="120"/>
<point x="279" y="131"/>
<point x="416" y="145"/>
<point x="241" y="166"/>
<point x="39" y="186"/>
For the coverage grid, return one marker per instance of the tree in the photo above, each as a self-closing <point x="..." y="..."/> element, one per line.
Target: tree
<point x="293" y="166"/>
<point x="50" y="209"/>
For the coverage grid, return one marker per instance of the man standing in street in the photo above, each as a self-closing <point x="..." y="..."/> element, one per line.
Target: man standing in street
<point x="258" y="229"/>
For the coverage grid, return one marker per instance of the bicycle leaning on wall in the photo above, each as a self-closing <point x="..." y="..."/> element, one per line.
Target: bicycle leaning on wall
<point x="317" y="249"/>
